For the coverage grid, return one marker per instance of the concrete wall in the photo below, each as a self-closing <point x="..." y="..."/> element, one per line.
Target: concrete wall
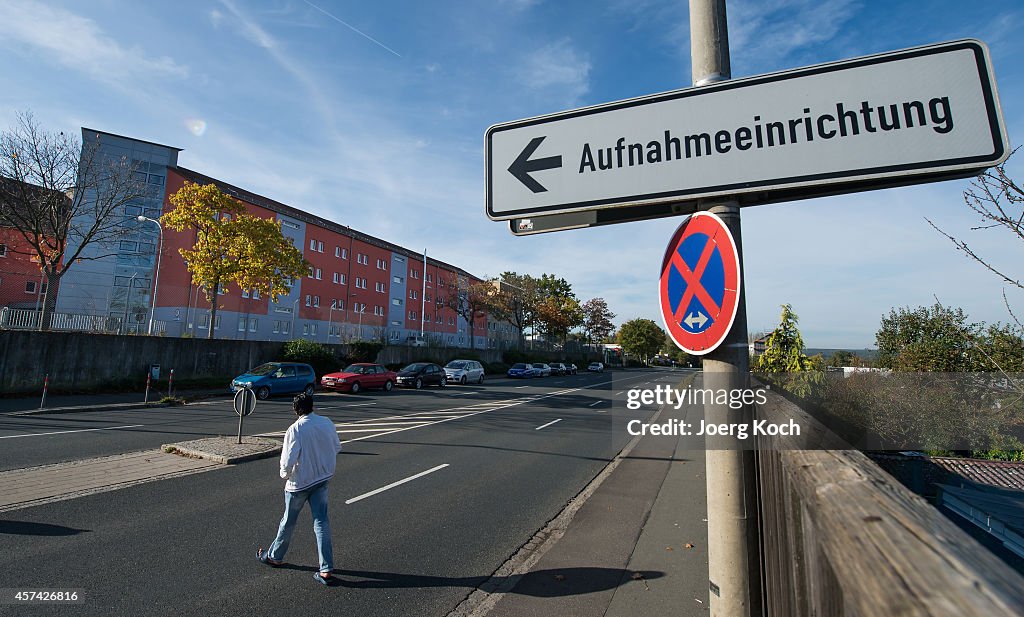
<point x="79" y="360"/>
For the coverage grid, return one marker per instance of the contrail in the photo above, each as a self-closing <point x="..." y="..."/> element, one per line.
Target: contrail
<point x="353" y="28"/>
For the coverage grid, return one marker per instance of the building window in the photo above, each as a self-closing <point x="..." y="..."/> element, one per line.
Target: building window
<point x="412" y="315"/>
<point x="380" y="287"/>
<point x="253" y="322"/>
<point x="245" y="293"/>
<point x="30" y="287"/>
<point x="341" y="305"/>
<point x="337" y="278"/>
<point x="399" y="259"/>
<point x="430" y="278"/>
<point x="318" y="274"/>
<point x="381" y="264"/>
<point x="396" y="301"/>
<point x="311" y="272"/>
<point x="412" y="294"/>
<point x="277" y="326"/>
<point x="344" y="253"/>
<point x="316" y="301"/>
<point x="337" y="251"/>
<point x="309" y="300"/>
<point x="343" y="279"/>
<point x="414" y="274"/>
<point x="394" y="335"/>
<point x="3" y="250"/>
<point x="289" y="224"/>
<point x="378" y="310"/>
<point x="255" y="294"/>
<point x="312" y="244"/>
<point x="241" y="324"/>
<point x="319" y="247"/>
<point x="286" y="327"/>
<point x="397" y="279"/>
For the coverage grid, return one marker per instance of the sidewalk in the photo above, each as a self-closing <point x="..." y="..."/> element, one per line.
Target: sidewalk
<point x="60" y="403"/>
<point x="637" y="546"/>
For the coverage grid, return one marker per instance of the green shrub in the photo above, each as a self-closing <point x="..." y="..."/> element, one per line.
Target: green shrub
<point x="315" y="354"/>
<point x="364" y="351"/>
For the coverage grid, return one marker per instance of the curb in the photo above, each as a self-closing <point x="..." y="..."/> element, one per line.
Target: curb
<point x="84" y="408"/>
<point x="223" y="459"/>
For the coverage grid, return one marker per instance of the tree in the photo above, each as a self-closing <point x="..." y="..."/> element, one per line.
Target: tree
<point x="557" y="309"/>
<point x="999" y="201"/>
<point x="597" y="319"/>
<point x="641" y="337"/>
<point x="939" y="339"/>
<point x="515" y="301"/>
<point x="558" y="314"/>
<point x="232" y="246"/>
<point x="469" y="300"/>
<point x="62" y="197"/>
<point x="784" y="347"/>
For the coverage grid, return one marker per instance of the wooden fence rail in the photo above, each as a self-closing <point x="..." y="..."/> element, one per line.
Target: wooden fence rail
<point x="841" y="538"/>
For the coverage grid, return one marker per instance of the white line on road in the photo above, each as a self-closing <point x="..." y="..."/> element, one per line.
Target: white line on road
<point x="547" y="425"/>
<point x="394" y="484"/>
<point x="595" y="403"/>
<point x="461" y="393"/>
<point x="522" y="386"/>
<point x="84" y="430"/>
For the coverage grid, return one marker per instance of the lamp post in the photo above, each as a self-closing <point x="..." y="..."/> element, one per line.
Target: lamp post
<point x="360" y="311"/>
<point x="295" y="309"/>
<point x="156" y="277"/>
<point x="330" y="320"/>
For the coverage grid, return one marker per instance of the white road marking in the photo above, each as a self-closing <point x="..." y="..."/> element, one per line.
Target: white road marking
<point x="547" y="425"/>
<point x="84" y="430"/>
<point x="461" y="393"/>
<point x="595" y="403"/>
<point x="394" y="484"/>
<point x="522" y="386"/>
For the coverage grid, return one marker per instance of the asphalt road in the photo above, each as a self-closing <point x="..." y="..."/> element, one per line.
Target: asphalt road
<point x="506" y="458"/>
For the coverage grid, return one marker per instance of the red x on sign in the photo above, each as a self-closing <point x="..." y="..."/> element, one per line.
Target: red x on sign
<point x="699" y="284"/>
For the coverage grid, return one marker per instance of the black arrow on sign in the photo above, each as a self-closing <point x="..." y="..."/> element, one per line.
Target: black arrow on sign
<point x="522" y="166"/>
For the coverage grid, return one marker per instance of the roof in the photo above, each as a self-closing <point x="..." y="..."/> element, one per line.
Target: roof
<point x="141" y="141"/>
<point x="306" y="217"/>
<point x="992" y="473"/>
<point x="999" y="511"/>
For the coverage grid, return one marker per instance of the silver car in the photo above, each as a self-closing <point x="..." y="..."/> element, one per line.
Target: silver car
<point x="541" y="369"/>
<point x="464" y="371"/>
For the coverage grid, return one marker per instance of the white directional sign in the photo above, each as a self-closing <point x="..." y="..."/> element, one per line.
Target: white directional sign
<point x="910" y="116"/>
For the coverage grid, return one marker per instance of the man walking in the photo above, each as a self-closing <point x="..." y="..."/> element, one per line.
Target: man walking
<point x="311" y="448"/>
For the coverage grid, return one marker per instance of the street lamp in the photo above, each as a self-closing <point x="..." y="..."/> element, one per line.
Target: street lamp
<point x="360" y="311"/>
<point x="156" y="278"/>
<point x="295" y="309"/>
<point x="330" y="320"/>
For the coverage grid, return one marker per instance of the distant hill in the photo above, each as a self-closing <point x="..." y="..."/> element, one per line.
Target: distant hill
<point x="867" y="354"/>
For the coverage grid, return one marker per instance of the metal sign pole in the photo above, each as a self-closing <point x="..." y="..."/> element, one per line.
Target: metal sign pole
<point x="733" y="537"/>
<point x="244" y="404"/>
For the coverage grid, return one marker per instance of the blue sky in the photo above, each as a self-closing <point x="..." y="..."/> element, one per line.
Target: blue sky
<point x="373" y="115"/>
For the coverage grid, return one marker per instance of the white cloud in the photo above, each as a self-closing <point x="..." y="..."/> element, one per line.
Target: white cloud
<point x="557" y="69"/>
<point x="79" y="43"/>
<point x="763" y="33"/>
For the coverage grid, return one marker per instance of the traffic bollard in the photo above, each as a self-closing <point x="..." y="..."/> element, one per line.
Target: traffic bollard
<point x="170" y="384"/>
<point x="46" y="386"/>
<point x="149" y="376"/>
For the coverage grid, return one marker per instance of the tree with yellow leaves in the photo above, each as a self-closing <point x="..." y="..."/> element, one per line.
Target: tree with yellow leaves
<point x="232" y="246"/>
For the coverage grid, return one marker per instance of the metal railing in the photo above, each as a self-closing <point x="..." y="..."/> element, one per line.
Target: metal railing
<point x="28" y="319"/>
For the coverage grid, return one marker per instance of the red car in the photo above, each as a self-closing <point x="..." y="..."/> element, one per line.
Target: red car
<point x="356" y="377"/>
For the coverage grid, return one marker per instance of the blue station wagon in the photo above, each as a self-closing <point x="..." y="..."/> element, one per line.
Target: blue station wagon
<point x="274" y="378"/>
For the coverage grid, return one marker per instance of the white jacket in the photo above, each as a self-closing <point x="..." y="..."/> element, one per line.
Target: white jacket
<point x="310" y="453"/>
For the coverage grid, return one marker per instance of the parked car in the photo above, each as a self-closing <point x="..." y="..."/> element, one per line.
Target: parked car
<point x="415" y="341"/>
<point x="557" y="368"/>
<point x="464" y="371"/>
<point x="273" y="378"/>
<point x="542" y="370"/>
<point x="356" y="377"/>
<point x="419" y="374"/>
<point x="571" y="369"/>
<point x="521" y="370"/>
<point x="596" y="367"/>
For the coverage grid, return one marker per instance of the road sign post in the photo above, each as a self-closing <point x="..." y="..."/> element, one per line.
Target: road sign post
<point x="244" y="404"/>
<point x="734" y="558"/>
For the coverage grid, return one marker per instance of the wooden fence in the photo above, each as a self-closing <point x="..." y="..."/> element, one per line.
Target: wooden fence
<point x="841" y="538"/>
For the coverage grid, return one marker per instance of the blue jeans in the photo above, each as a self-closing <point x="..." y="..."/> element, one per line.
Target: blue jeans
<point x="293" y="502"/>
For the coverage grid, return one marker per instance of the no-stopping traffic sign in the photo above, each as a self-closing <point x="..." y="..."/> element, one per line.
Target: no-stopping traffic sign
<point x="700" y="282"/>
